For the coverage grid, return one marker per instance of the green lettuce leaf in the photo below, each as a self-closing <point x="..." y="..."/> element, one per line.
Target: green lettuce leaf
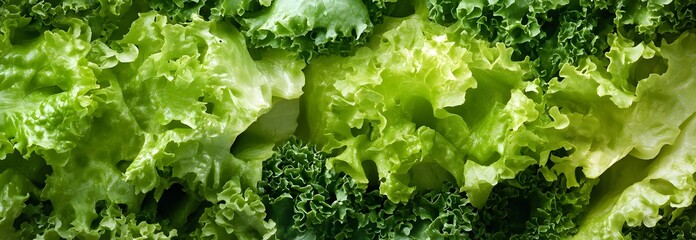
<point x="640" y="192"/>
<point x="630" y="125"/>
<point x="549" y="32"/>
<point x="555" y="32"/>
<point x="236" y="215"/>
<point x="308" y="27"/>
<point x="193" y="97"/>
<point x="307" y="200"/>
<point x="673" y="225"/>
<point x="631" y="106"/>
<point x="46" y="94"/>
<point x="15" y="191"/>
<point x="25" y="20"/>
<point x="425" y="110"/>
<point x="149" y="124"/>
<point x="181" y="10"/>
<point x="647" y="19"/>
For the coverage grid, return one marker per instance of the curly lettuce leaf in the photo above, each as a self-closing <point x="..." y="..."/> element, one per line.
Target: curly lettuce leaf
<point x="24" y="20"/>
<point x="307" y="200"/>
<point x="142" y="133"/>
<point x="674" y="225"/>
<point x="549" y="32"/>
<point x="193" y="90"/>
<point x="180" y="10"/>
<point x="15" y="191"/>
<point x="555" y="32"/>
<point x="46" y="94"/>
<point x="632" y="106"/>
<point x="425" y="110"/>
<point x="646" y="20"/>
<point x="237" y="215"/>
<point x="630" y="124"/>
<point x="680" y="17"/>
<point x="308" y="27"/>
<point x="640" y="192"/>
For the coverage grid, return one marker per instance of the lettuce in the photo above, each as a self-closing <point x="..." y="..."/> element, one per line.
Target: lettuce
<point x="645" y="154"/>
<point x="308" y="27"/>
<point x="412" y="106"/>
<point x="309" y="201"/>
<point x="554" y="32"/>
<point x="675" y="227"/>
<point x="663" y="188"/>
<point x="623" y="95"/>
<point x="181" y="10"/>
<point x="150" y="117"/>
<point x="431" y="119"/>
<point x="23" y="20"/>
